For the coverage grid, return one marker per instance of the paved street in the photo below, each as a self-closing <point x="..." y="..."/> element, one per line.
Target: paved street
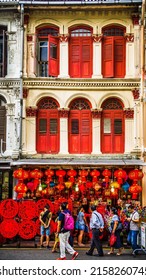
<point x="14" y="253"/>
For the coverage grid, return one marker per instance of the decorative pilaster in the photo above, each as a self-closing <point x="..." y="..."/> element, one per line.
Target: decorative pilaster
<point x="30" y="52"/>
<point x="129" y="38"/>
<point x="30" y="146"/>
<point x="63" y="56"/>
<point x="63" y="114"/>
<point x="97" y="39"/>
<point x="96" y="130"/>
<point x="25" y="92"/>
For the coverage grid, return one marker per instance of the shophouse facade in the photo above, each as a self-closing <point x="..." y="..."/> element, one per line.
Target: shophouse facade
<point x="82" y="106"/>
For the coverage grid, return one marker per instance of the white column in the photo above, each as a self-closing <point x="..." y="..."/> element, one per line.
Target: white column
<point x="31" y="57"/>
<point x="63" y="132"/>
<point x="129" y="135"/>
<point x="137" y="128"/>
<point x="96" y="132"/>
<point x="97" y="58"/>
<point x="31" y="131"/>
<point x="130" y="67"/>
<point x="137" y="52"/>
<point x="24" y="128"/>
<point x="64" y="71"/>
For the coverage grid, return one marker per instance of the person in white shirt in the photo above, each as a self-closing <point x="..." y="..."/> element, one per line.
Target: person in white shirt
<point x="97" y="226"/>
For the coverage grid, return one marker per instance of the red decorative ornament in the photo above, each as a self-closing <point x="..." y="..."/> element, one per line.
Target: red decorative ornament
<point x="20" y="188"/>
<point x="20" y="174"/>
<point x="60" y="173"/>
<point x="72" y="173"/>
<point x="60" y="187"/>
<point x="95" y="174"/>
<point x="27" y="229"/>
<point x="41" y="203"/>
<point x="38" y="226"/>
<point x="27" y="210"/>
<point x="31" y="186"/>
<point x="36" y="174"/>
<point x="9" y="208"/>
<point x="83" y="174"/>
<point x="82" y="188"/>
<point x="9" y="228"/>
<point x="107" y="174"/>
<point x="114" y="193"/>
<point x="49" y="173"/>
<point x="121" y="175"/>
<point x="136" y="175"/>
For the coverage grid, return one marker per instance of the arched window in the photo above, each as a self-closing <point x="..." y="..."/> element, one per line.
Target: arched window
<point x="47" y="126"/>
<point x="113" y="52"/>
<point x="3" y="122"/>
<point x="47" y="48"/>
<point x="112" y="126"/>
<point x="80" y="52"/>
<point x="3" y="51"/>
<point x="80" y="127"/>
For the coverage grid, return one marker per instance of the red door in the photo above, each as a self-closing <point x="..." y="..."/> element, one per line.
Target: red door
<point x="80" y="57"/>
<point x="53" y="56"/>
<point x="47" y="131"/>
<point x="113" y="57"/>
<point x="80" y="132"/>
<point x="112" y="136"/>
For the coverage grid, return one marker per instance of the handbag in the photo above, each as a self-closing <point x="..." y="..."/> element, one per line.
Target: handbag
<point x="112" y="240"/>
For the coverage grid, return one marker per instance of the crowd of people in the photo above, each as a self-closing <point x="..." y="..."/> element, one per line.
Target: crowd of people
<point x="113" y="223"/>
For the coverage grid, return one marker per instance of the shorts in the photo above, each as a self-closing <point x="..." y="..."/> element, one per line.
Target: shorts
<point x="44" y="230"/>
<point x="81" y="226"/>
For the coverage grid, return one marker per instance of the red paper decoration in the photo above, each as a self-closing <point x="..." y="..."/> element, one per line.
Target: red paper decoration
<point x="27" y="229"/>
<point x="27" y="210"/>
<point x="60" y="187"/>
<point x="41" y="203"/>
<point x="83" y="174"/>
<point x="9" y="208"/>
<point x="9" y="228"/>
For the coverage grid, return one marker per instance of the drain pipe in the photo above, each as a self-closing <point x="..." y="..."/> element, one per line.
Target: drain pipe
<point x="21" y="74"/>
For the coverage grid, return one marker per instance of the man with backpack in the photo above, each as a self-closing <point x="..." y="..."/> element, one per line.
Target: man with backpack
<point x="134" y="228"/>
<point x="65" y="225"/>
<point x="97" y="226"/>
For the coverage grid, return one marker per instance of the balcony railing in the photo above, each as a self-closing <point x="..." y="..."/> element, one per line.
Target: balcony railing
<point x="69" y="2"/>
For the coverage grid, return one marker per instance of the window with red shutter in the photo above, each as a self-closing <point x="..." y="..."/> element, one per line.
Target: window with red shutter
<point x="80" y="127"/>
<point x="47" y="140"/>
<point x="113" y="52"/>
<point x="112" y="126"/>
<point x="80" y="53"/>
<point x="47" y="54"/>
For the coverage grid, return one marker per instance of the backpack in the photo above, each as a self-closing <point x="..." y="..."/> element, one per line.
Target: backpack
<point x="68" y="221"/>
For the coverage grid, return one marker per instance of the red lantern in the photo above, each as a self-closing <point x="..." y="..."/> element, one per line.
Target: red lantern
<point x="83" y="174"/>
<point x="120" y="174"/>
<point x="20" y="174"/>
<point x="49" y="173"/>
<point x="60" y="173"/>
<point x="20" y="188"/>
<point x="82" y="188"/>
<point x="107" y="174"/>
<point x="136" y="175"/>
<point x="36" y="174"/>
<point x="95" y="174"/>
<point x="71" y="173"/>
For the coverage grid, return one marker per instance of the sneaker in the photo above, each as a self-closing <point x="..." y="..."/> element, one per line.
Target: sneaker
<point x="61" y="259"/>
<point x="74" y="256"/>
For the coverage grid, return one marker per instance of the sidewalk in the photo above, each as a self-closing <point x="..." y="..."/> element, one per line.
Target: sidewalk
<point x="31" y="252"/>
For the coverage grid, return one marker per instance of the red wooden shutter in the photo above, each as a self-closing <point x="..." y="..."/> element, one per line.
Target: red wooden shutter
<point x="53" y="56"/>
<point x="86" y="55"/>
<point x="74" y="132"/>
<point x="108" y="57"/>
<point x="53" y="131"/>
<point x="42" y="139"/>
<point x="74" y="58"/>
<point x="119" y="57"/>
<point x="85" y="132"/>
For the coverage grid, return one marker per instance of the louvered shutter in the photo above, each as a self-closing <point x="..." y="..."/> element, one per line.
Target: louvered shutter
<point x="108" y="57"/>
<point x="53" y="56"/>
